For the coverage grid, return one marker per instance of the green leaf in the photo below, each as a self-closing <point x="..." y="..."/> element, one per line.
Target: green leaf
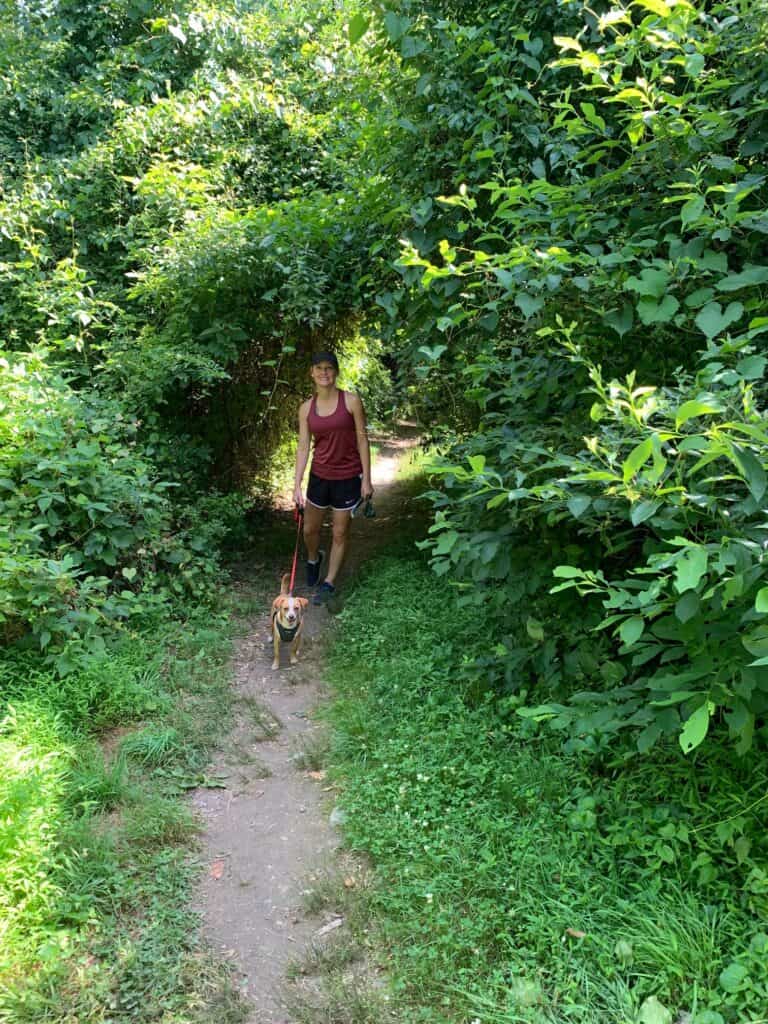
<point x="567" y="43"/>
<point x="631" y="630"/>
<point x="567" y="572"/>
<point x="694" y="64"/>
<point x="756" y="641"/>
<point x="750" y="275"/>
<point x="741" y="848"/>
<point x="433" y="353"/>
<point x="648" y="736"/>
<point x="696" y="407"/>
<point x="732" y="978"/>
<point x="761" y="601"/>
<point x="412" y="47"/>
<point x="652" y="282"/>
<point x="535" y="629"/>
<point x="643" y="510"/>
<point x="630" y="95"/>
<point x="578" y="505"/>
<point x="395" y="25"/>
<point x="691" y="211"/>
<point x="637" y="458"/>
<point x="752" y="470"/>
<point x="358" y="26"/>
<point x="664" y="11"/>
<point x="654" y="1012"/>
<point x="621" y="320"/>
<point x="699" y="297"/>
<point x="695" y="728"/>
<point x="528" y="304"/>
<point x="690" y="567"/>
<point x="446" y="542"/>
<point x="652" y="312"/>
<point x="687" y="606"/>
<point x="589" y="112"/>
<point x="752" y="367"/>
<point x="712" y="320"/>
<point x="489" y="322"/>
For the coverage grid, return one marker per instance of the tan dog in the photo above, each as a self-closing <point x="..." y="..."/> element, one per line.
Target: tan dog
<point x="287" y="621"/>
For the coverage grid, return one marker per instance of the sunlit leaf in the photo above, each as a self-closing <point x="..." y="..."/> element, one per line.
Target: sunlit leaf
<point x="358" y="26"/>
<point x="695" y="729"/>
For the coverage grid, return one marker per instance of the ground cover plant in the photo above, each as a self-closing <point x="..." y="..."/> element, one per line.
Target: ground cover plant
<point x="95" y="868"/>
<point x="517" y="881"/>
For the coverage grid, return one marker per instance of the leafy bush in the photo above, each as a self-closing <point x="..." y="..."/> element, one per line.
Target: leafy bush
<point x="667" y="498"/>
<point x="625" y="217"/>
<point x="84" y="509"/>
<point x="95" y="539"/>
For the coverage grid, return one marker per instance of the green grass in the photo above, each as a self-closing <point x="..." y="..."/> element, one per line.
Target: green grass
<point x="515" y="882"/>
<point x="95" y="872"/>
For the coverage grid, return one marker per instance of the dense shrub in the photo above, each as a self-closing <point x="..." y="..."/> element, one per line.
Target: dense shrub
<point x="614" y="242"/>
<point x="93" y="536"/>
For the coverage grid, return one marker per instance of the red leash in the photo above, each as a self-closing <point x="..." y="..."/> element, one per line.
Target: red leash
<point x="298" y="515"/>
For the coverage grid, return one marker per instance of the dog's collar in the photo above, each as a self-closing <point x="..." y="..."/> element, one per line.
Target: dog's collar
<point x="287" y="633"/>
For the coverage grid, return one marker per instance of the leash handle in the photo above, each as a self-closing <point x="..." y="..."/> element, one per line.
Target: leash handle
<point x="298" y="515"/>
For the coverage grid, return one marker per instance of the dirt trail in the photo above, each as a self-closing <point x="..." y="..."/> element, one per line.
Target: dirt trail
<point x="268" y="832"/>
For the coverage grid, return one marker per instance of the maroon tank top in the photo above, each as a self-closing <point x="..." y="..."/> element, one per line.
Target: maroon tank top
<point x="335" y="455"/>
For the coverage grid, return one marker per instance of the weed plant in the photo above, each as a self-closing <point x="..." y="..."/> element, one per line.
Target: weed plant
<point x="517" y="882"/>
<point x="95" y="873"/>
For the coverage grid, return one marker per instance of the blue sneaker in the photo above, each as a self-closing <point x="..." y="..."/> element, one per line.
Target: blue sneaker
<point x="324" y="593"/>
<point x="313" y="569"/>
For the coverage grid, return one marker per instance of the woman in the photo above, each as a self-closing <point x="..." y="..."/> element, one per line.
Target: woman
<point x="340" y="474"/>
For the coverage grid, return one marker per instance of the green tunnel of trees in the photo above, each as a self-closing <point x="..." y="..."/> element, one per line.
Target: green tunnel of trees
<point x="539" y="228"/>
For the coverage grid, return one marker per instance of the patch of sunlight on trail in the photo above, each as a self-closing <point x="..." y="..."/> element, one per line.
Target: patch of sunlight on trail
<point x="384" y="470"/>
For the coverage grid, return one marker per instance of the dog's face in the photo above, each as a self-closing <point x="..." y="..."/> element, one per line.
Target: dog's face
<point x="289" y="609"/>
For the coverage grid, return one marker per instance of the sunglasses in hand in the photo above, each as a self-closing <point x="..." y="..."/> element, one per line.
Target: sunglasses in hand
<point x="365" y="508"/>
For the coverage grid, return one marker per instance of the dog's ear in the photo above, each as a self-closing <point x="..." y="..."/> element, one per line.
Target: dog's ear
<point x="303" y="602"/>
<point x="279" y="602"/>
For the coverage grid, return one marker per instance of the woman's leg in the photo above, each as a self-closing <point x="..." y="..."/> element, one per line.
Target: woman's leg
<point x="341" y="521"/>
<point x="313" y="520"/>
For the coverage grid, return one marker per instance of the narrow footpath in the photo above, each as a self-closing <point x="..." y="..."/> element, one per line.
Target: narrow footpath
<point x="269" y="831"/>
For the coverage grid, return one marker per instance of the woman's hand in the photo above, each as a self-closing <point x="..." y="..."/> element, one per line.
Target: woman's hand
<point x="366" y="489"/>
<point x="298" y="496"/>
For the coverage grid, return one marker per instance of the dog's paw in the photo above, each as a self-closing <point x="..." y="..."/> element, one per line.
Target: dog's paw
<point x="294" y="659"/>
<point x="275" y="664"/>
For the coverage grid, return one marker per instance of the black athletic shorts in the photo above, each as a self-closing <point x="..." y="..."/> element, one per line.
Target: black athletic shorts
<point x="340" y="495"/>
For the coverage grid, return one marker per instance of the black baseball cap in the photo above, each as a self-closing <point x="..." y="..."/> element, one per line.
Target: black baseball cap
<point x="325" y="357"/>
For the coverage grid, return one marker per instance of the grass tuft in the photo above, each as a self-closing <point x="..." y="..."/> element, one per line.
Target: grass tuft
<point x="153" y="747"/>
<point x="312" y="750"/>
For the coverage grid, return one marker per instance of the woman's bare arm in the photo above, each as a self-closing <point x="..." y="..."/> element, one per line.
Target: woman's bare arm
<point x="355" y="406"/>
<point x="302" y="453"/>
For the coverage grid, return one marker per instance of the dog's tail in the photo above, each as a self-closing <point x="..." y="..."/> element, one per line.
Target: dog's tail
<point x="284" y="583"/>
